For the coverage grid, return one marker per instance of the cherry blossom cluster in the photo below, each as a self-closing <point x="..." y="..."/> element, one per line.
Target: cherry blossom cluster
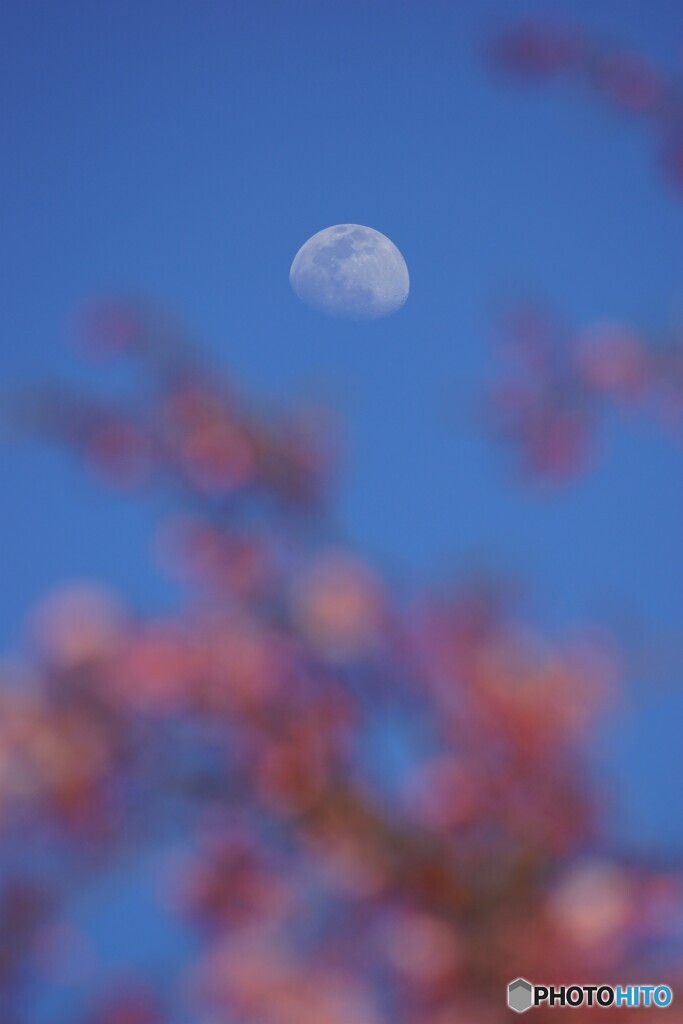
<point x="626" y="79"/>
<point x="555" y="386"/>
<point x="246" y="737"/>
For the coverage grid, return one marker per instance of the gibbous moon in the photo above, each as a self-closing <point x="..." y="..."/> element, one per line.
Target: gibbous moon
<point x="351" y="271"/>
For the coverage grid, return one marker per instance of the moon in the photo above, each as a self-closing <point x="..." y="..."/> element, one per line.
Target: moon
<point x="351" y="271"/>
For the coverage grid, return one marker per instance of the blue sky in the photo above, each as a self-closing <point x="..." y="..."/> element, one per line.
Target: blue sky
<point x="185" y="151"/>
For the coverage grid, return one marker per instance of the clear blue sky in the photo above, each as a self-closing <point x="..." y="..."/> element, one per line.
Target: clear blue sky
<point x="186" y="150"/>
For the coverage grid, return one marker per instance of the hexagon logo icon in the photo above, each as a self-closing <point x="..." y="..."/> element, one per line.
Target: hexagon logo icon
<point x="520" y="995"/>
